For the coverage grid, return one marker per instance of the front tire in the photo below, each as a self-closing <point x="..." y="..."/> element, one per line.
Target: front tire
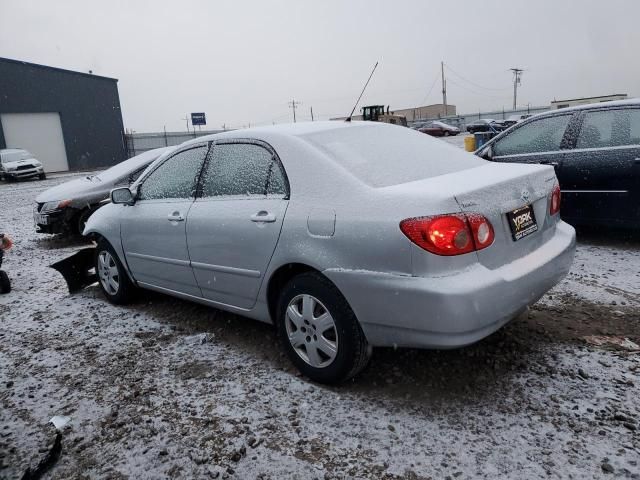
<point x="112" y="277"/>
<point x="319" y="331"/>
<point x="81" y="220"/>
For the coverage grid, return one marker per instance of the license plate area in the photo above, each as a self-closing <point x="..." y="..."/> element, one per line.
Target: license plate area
<point x="522" y="222"/>
<point x="41" y="219"/>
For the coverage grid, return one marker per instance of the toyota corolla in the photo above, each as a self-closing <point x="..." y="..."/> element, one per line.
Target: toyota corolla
<point x="346" y="236"/>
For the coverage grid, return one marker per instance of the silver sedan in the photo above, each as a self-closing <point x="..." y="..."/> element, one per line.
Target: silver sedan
<point x="346" y="236"/>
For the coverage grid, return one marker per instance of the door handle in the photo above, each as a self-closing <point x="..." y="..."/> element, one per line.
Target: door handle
<point x="175" y="217"/>
<point x="263" y="217"/>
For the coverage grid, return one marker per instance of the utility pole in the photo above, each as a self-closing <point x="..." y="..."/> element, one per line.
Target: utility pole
<point x="186" y="119"/>
<point x="293" y="105"/>
<point x="444" y="89"/>
<point x="517" y="72"/>
<point x="312" y="114"/>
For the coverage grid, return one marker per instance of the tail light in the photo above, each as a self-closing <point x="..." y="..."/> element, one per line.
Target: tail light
<point x="451" y="234"/>
<point x="554" y="203"/>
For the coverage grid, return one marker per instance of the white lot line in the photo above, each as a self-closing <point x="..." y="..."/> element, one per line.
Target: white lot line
<point x="164" y="388"/>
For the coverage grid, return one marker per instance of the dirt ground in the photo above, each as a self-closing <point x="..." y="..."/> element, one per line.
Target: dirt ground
<point x="168" y="389"/>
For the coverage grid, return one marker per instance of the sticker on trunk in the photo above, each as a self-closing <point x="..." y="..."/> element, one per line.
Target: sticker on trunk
<point x="522" y="222"/>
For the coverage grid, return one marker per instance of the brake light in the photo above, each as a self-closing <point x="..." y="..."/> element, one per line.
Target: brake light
<point x="451" y="234"/>
<point x="554" y="203"/>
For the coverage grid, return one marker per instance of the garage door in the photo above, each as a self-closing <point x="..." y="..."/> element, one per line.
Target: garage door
<point x="40" y="134"/>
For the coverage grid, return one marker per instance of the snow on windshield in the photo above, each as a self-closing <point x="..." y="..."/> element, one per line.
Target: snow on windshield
<point x="128" y="166"/>
<point x="14" y="156"/>
<point x="388" y="155"/>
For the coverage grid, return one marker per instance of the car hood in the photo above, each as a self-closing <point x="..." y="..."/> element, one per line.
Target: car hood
<point x="29" y="161"/>
<point x="79" y="188"/>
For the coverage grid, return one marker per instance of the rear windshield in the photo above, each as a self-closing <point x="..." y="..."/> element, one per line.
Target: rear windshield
<point x="381" y="156"/>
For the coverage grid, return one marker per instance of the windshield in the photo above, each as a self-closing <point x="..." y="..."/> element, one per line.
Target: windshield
<point x="129" y="166"/>
<point x="381" y="157"/>
<point x="14" y="156"/>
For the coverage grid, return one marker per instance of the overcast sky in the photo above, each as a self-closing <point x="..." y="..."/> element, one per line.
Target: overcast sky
<point x="242" y="61"/>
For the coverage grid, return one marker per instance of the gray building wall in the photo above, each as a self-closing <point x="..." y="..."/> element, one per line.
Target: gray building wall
<point x="88" y="105"/>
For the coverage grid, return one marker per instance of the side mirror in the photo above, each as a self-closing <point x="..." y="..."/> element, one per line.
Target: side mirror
<point x="122" y="195"/>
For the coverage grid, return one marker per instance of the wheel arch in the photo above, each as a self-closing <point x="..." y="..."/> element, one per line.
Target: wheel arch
<point x="115" y="243"/>
<point x="279" y="279"/>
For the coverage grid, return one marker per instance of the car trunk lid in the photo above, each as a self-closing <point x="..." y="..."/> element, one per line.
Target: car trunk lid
<point x="494" y="191"/>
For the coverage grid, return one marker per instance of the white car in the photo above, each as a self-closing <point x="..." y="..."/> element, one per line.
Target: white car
<point x="344" y="235"/>
<point x="16" y="164"/>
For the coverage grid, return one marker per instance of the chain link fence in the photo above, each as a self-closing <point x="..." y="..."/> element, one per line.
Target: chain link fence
<point x="137" y="143"/>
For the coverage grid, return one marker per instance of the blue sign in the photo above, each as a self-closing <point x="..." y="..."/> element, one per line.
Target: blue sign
<point x="198" y="118"/>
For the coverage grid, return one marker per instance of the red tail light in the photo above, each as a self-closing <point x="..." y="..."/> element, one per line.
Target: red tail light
<point x="554" y="203"/>
<point x="451" y="234"/>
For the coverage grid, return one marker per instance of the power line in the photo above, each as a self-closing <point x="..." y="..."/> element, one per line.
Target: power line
<point x="435" y="80"/>
<point x="474" y="83"/>
<point x="476" y="92"/>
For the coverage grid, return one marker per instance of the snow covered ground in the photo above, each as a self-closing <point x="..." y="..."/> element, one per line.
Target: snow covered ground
<point x="169" y="389"/>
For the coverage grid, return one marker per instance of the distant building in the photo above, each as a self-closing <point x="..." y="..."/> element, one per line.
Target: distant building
<point x="417" y="113"/>
<point x="67" y="120"/>
<point x="426" y="112"/>
<point x="572" y="102"/>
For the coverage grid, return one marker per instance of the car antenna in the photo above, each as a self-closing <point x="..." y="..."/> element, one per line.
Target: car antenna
<point x="348" y="119"/>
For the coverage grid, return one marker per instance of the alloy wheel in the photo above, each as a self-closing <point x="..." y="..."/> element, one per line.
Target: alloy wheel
<point x="311" y="331"/>
<point x="108" y="272"/>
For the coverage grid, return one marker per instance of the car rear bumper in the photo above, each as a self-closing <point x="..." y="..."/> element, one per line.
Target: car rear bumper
<point x="455" y="310"/>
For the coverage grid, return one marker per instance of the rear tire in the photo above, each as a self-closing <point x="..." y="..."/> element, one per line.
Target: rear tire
<point x="319" y="331"/>
<point x="5" y="283"/>
<point x="112" y="276"/>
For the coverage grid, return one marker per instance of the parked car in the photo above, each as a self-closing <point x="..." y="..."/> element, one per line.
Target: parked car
<point x="65" y="208"/>
<point x="485" y="125"/>
<point x="347" y="236"/>
<point x="595" y="150"/>
<point x="513" y="119"/>
<point x="16" y="164"/>
<point x="438" y="129"/>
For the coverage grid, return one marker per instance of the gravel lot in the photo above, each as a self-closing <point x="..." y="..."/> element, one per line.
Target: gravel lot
<point x="168" y="389"/>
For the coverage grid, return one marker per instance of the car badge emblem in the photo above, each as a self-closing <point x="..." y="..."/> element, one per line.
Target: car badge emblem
<point x="525" y="195"/>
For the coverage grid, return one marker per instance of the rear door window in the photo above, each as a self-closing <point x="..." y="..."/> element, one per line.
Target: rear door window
<point x="243" y="169"/>
<point x="542" y="135"/>
<point x="610" y="128"/>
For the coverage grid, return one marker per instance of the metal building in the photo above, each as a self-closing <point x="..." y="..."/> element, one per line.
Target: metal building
<point x="68" y="120"/>
<point x="572" y="102"/>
